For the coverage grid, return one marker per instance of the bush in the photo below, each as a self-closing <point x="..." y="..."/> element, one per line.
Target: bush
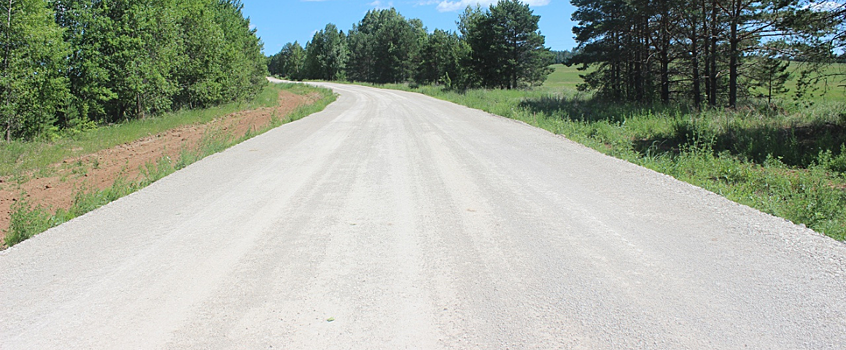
<point x="26" y="221"/>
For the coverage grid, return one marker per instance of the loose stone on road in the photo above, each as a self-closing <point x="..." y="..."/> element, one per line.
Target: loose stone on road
<point x="394" y="220"/>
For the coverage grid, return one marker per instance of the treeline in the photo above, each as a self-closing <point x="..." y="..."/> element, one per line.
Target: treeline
<point x="704" y="51"/>
<point x="562" y="56"/>
<point x="496" y="47"/>
<point x="67" y="63"/>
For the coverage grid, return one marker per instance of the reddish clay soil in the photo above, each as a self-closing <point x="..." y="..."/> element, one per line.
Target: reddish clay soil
<point x="100" y="170"/>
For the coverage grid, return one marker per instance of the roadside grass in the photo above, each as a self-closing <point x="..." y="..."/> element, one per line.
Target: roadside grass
<point x="564" y="77"/>
<point x="29" y="219"/>
<point x="784" y="159"/>
<point x="19" y="158"/>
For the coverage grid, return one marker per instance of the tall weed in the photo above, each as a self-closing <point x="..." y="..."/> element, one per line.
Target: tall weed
<point x="27" y="220"/>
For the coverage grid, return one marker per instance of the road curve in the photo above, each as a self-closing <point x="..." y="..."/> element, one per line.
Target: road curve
<point x="393" y="220"/>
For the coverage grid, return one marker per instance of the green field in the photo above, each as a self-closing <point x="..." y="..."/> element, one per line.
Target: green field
<point x="564" y="77"/>
<point x="823" y="92"/>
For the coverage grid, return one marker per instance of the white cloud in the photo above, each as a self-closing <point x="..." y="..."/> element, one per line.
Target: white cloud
<point x="448" y="6"/>
<point x="824" y="6"/>
<point x="379" y="4"/>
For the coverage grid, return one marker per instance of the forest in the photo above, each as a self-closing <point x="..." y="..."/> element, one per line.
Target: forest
<point x="495" y="47"/>
<point x="710" y="52"/>
<point x="74" y="64"/>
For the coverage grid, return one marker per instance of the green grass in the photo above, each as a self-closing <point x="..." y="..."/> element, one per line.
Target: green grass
<point x="28" y="219"/>
<point x="21" y="157"/>
<point x="789" y="161"/>
<point x="821" y="92"/>
<point x="564" y="77"/>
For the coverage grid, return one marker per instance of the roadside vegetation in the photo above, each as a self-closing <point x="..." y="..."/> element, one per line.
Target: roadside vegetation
<point x="788" y="160"/>
<point x="70" y="65"/>
<point x="23" y="160"/>
<point x="78" y="77"/>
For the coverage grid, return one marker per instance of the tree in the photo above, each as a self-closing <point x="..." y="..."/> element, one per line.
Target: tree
<point x="146" y="57"/>
<point x="32" y="88"/>
<point x="289" y="62"/>
<point x="749" y="22"/>
<point x="614" y="35"/>
<point x="201" y="77"/>
<point x="241" y="55"/>
<point x="326" y="54"/>
<point x="441" y="57"/>
<point x="819" y="30"/>
<point x="385" y="47"/>
<point x="648" y="50"/>
<point x="124" y="56"/>
<point x="507" y="50"/>
<point x="130" y="59"/>
<point x="87" y="31"/>
<point x="561" y="57"/>
<point x="770" y="73"/>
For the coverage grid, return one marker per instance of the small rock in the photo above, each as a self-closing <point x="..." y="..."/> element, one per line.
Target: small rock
<point x="47" y="186"/>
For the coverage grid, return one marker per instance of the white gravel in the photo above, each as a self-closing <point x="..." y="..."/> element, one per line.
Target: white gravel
<point x="393" y="220"/>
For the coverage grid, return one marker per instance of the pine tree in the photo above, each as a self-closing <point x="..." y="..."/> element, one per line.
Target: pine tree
<point x="507" y="49"/>
<point x="770" y="73"/>
<point x="666" y="50"/>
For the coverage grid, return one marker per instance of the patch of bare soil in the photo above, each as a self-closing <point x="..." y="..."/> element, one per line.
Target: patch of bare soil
<point x="100" y="170"/>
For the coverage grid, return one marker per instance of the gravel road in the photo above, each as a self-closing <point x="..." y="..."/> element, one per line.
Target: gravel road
<point x="393" y="220"/>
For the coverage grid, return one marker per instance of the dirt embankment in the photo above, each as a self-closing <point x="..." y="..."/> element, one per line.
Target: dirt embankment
<point x="100" y="170"/>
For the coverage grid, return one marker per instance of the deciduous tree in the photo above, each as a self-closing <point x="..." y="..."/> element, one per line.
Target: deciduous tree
<point x="326" y="54"/>
<point x="32" y="87"/>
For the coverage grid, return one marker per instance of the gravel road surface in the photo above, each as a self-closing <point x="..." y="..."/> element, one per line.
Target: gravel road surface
<point x="393" y="220"/>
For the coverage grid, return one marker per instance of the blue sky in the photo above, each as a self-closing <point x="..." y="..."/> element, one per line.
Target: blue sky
<point x="282" y="21"/>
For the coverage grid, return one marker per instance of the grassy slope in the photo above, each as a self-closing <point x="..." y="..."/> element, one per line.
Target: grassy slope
<point x="20" y="157"/>
<point x="823" y="93"/>
<point x="789" y="161"/>
<point x="568" y="77"/>
<point x="563" y="77"/>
